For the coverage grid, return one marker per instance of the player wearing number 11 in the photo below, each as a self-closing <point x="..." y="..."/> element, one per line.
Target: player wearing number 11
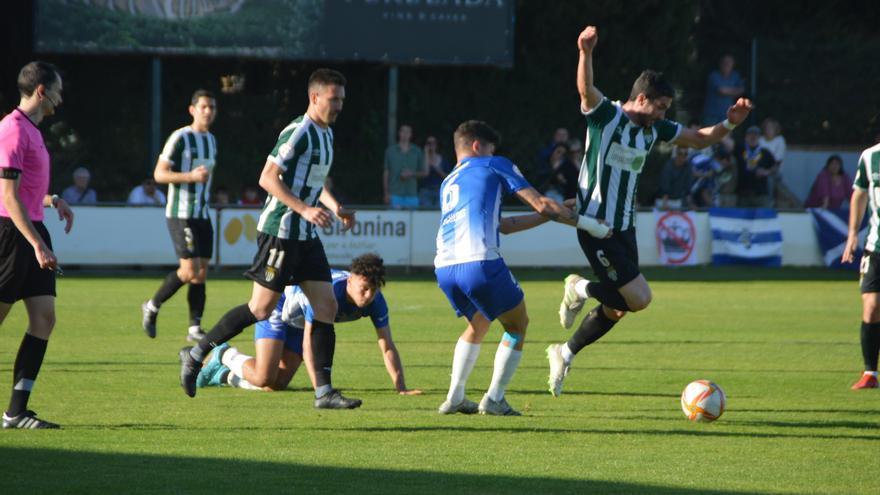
<point x="619" y="138"/>
<point x="289" y="250"/>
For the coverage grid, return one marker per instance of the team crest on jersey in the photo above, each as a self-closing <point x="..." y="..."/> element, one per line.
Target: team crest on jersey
<point x="649" y="136"/>
<point x="270" y="273"/>
<point x="284" y="150"/>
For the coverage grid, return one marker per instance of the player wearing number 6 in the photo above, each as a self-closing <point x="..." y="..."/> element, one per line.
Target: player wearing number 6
<point x="619" y="138"/>
<point x="866" y="192"/>
<point x="289" y="250"/>
<point x="469" y="267"/>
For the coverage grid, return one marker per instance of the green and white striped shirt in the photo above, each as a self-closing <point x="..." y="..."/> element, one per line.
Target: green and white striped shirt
<point x="186" y="150"/>
<point x="304" y="152"/>
<point x="868" y="178"/>
<point x="615" y="152"/>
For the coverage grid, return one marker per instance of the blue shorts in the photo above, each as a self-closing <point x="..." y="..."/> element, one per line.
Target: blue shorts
<point x="484" y="286"/>
<point x="292" y="336"/>
<point x="404" y="202"/>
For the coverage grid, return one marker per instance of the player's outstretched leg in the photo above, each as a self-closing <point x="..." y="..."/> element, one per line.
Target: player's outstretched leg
<point x="195" y="297"/>
<point x="870" y="340"/>
<point x="574" y="295"/>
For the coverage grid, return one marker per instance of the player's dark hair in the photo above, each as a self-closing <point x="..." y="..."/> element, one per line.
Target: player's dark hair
<point x="34" y="74"/>
<point x="475" y="130"/>
<point x="326" y="77"/>
<point x="653" y="84"/>
<point x="370" y="266"/>
<point x="201" y="93"/>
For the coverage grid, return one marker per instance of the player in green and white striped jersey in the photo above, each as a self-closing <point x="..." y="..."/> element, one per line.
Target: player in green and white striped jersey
<point x="619" y="138"/>
<point x="186" y="165"/>
<point x="289" y="250"/>
<point x="866" y="193"/>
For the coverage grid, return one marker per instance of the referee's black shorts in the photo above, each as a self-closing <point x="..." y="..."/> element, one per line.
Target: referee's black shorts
<point x="20" y="274"/>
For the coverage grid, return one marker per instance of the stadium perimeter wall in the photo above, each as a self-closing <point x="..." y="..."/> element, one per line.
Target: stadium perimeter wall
<point x="137" y="236"/>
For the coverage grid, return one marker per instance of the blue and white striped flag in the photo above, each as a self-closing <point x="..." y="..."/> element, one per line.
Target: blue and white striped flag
<point x="832" y="229"/>
<point x="745" y="236"/>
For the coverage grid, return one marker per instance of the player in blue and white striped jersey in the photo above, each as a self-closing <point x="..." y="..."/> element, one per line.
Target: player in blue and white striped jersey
<point x="279" y="339"/>
<point x="469" y="267"/>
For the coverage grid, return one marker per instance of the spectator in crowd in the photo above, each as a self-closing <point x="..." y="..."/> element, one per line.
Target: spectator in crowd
<point x="576" y="151"/>
<point x="147" y="194"/>
<point x="772" y="140"/>
<point x="558" y="179"/>
<point x="705" y="170"/>
<point x="250" y="196"/>
<point x="560" y="135"/>
<point x="726" y="179"/>
<point x="675" y="181"/>
<point x="404" y="164"/>
<point x="438" y="168"/>
<point x="832" y="187"/>
<point x="80" y="193"/>
<point x="723" y="87"/>
<point x="221" y="196"/>
<point x="755" y="165"/>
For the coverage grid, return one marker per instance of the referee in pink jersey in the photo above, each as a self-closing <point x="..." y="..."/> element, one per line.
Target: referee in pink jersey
<point x="27" y="263"/>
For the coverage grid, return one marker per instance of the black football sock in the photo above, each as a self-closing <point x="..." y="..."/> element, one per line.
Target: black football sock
<point x="323" y="346"/>
<point x="592" y="328"/>
<point x="168" y="288"/>
<point x="608" y="295"/>
<point x="231" y="324"/>
<point x="196" y="299"/>
<point x="27" y="366"/>
<point x="870" y="345"/>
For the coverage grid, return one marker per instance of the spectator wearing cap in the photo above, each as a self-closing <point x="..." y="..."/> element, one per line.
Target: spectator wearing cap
<point x="79" y="193"/>
<point x="755" y="164"/>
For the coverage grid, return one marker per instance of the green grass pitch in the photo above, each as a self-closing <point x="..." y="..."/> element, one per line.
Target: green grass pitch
<point x="784" y="348"/>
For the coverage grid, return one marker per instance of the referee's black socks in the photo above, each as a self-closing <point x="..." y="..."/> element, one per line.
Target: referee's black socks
<point x="323" y="336"/>
<point x="231" y="324"/>
<point x="592" y="328"/>
<point x="870" y="344"/>
<point x="24" y="374"/>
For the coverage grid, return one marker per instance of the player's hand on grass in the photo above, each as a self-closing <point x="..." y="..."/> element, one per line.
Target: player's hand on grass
<point x="317" y="216"/>
<point x="65" y="213"/>
<point x="199" y="174"/>
<point x="347" y="217"/>
<point x="410" y="391"/>
<point x="588" y="39"/>
<point x="849" y="251"/>
<point x="738" y="112"/>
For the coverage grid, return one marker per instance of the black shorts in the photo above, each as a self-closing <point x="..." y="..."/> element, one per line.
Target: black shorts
<point x="20" y="274"/>
<point x="192" y="237"/>
<point x="283" y="262"/>
<point x="869" y="279"/>
<point x="614" y="260"/>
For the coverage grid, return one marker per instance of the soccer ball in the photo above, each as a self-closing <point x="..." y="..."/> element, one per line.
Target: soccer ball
<point x="703" y="401"/>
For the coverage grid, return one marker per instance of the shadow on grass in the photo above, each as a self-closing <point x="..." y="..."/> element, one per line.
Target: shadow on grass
<point x="39" y="471"/>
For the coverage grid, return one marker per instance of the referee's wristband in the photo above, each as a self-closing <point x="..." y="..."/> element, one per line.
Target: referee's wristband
<point x="53" y="202"/>
<point x="728" y="125"/>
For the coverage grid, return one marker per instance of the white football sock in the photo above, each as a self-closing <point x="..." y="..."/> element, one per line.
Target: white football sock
<point x="506" y="361"/>
<point x="566" y="353"/>
<point x="872" y="373"/>
<point x="152" y="306"/>
<point x="322" y="391"/>
<point x="234" y="360"/>
<point x="239" y="382"/>
<point x="581" y="288"/>
<point x="194" y="329"/>
<point x="462" y="364"/>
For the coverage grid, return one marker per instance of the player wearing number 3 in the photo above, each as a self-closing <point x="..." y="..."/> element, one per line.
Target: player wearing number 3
<point x="619" y="138"/>
<point x="289" y="250"/>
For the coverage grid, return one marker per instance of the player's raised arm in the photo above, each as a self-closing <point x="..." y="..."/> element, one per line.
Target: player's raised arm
<point x="270" y="181"/>
<point x="590" y="95"/>
<point x="707" y="136"/>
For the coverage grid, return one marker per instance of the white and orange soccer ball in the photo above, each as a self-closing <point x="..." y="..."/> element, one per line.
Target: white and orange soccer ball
<point x="703" y="401"/>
